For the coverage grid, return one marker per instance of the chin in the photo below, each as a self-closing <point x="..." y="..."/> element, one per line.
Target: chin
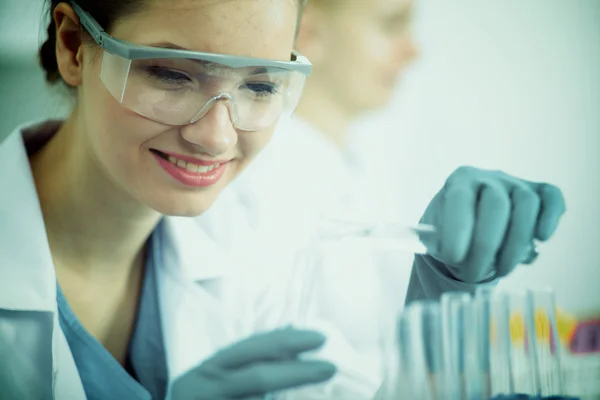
<point x="376" y="104"/>
<point x="187" y="205"/>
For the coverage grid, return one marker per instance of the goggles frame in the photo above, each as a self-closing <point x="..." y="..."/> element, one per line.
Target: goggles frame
<point x="132" y="51"/>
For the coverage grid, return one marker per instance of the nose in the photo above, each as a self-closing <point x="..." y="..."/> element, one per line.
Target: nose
<point x="409" y="48"/>
<point x="214" y="133"/>
<point x="404" y="50"/>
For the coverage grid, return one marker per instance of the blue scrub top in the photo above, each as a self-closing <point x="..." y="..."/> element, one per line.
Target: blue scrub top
<point x="145" y="377"/>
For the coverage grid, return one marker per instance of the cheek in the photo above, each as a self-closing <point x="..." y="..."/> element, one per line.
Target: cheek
<point x="116" y="135"/>
<point x="359" y="57"/>
<point x="252" y="143"/>
<point x="376" y="49"/>
<point x="110" y="123"/>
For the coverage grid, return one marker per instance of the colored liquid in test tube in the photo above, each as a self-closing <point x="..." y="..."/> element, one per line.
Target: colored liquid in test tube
<point x="495" y="345"/>
<point x="420" y="370"/>
<point x="546" y="343"/>
<point x="523" y="357"/>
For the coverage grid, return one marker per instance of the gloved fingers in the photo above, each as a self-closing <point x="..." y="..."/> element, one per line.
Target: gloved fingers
<point x="552" y="208"/>
<point x="457" y="221"/>
<point x="432" y="217"/>
<point x="519" y="237"/>
<point x="493" y="216"/>
<point x="283" y="344"/>
<point x="263" y="378"/>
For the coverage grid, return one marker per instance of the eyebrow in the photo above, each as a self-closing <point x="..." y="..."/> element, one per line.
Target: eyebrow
<point x="169" y="45"/>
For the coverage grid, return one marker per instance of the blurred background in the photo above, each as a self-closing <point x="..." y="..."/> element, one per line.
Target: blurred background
<point x="25" y="95"/>
<point x="511" y="85"/>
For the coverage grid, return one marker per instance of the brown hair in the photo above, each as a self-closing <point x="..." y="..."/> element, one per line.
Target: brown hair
<point x="106" y="12"/>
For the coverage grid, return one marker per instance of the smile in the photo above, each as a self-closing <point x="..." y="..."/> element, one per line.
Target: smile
<point x="188" y="172"/>
<point x="187" y="165"/>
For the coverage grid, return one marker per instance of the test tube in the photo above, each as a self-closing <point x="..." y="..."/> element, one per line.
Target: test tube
<point x="404" y="366"/>
<point x="397" y="235"/>
<point x="407" y="236"/>
<point x="420" y="351"/>
<point x="516" y="363"/>
<point x="546" y="344"/>
<point x="522" y="356"/>
<point x="485" y="332"/>
<point x="501" y="374"/>
<point x="464" y="377"/>
<point x="475" y="377"/>
<point x="453" y="342"/>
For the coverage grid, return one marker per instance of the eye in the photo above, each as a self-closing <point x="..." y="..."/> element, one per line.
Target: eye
<point x="262" y="88"/>
<point x="167" y="75"/>
<point x="397" y="22"/>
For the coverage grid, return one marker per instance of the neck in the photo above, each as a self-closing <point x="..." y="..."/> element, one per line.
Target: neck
<point x="94" y="228"/>
<point x="325" y="114"/>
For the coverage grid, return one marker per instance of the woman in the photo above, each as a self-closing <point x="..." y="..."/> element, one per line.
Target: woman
<point x="112" y="298"/>
<point x="108" y="300"/>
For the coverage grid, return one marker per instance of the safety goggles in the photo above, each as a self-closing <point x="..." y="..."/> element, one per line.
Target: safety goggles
<point x="178" y="87"/>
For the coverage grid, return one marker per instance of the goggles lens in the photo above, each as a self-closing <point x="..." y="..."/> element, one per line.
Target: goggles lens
<point x="180" y="91"/>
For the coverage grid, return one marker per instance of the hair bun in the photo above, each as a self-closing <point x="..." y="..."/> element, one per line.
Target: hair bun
<point x="47" y="55"/>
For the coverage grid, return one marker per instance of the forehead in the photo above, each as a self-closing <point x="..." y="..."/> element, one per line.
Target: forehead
<point x="251" y="28"/>
<point x="381" y="6"/>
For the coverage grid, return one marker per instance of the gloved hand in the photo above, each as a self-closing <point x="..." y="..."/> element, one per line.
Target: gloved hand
<point x="254" y="367"/>
<point x="487" y="220"/>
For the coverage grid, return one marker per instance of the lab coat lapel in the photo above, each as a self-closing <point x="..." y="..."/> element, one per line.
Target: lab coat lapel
<point x="195" y="320"/>
<point x="36" y="360"/>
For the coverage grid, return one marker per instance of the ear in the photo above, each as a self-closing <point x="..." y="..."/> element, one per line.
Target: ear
<point x="69" y="50"/>
<point x="311" y="40"/>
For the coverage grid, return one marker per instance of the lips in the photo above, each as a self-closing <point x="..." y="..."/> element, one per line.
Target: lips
<point x="187" y="165"/>
<point x="191" y="171"/>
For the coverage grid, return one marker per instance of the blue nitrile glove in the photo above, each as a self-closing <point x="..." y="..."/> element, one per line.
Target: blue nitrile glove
<point x="487" y="221"/>
<point x="256" y="366"/>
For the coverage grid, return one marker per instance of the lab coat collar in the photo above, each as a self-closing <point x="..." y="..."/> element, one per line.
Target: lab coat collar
<point x="23" y="242"/>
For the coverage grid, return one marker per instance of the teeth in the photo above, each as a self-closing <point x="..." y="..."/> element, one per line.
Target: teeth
<point x="193" y="167"/>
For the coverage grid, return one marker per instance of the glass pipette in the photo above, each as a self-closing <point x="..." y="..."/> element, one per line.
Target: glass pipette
<point x="408" y="237"/>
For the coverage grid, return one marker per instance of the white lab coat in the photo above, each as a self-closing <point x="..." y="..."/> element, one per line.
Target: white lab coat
<point x="206" y="301"/>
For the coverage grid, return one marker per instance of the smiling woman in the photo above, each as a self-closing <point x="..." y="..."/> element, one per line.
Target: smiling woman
<point x="248" y="87"/>
<point x="173" y="100"/>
